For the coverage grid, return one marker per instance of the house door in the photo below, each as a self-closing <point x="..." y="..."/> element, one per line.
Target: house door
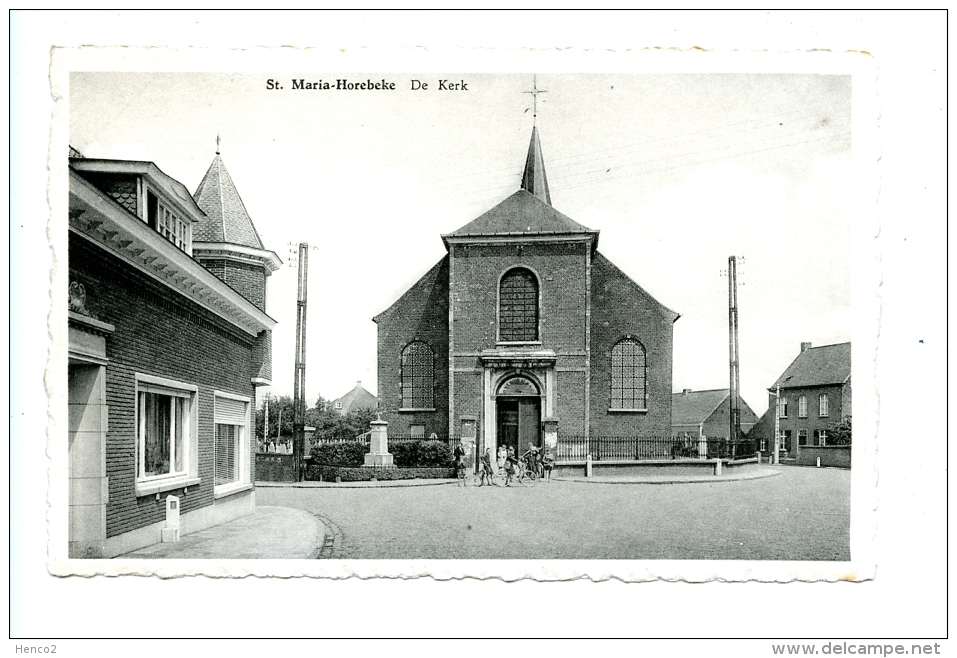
<point x="519" y="422"/>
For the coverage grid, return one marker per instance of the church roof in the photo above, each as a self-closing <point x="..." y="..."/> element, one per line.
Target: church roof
<point x="226" y="216"/>
<point x="526" y="212"/>
<point x="523" y="213"/>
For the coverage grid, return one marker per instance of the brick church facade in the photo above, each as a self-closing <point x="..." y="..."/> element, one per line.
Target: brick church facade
<point x="168" y="340"/>
<point x="522" y="329"/>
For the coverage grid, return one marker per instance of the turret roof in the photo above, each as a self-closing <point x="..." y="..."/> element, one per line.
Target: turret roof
<point x="226" y="217"/>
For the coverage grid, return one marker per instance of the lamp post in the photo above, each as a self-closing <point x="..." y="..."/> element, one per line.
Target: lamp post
<point x="777" y="425"/>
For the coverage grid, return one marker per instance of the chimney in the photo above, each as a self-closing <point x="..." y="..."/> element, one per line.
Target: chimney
<point x="359" y="383"/>
<point x="805" y="347"/>
<point x="685" y="391"/>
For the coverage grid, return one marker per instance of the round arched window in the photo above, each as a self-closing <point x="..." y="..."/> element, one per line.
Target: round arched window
<point x="518" y="306"/>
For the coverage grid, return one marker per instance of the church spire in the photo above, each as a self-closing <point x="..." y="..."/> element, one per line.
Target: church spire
<point x="534" y="180"/>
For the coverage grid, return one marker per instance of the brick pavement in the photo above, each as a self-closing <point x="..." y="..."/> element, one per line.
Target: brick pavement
<point x="801" y="514"/>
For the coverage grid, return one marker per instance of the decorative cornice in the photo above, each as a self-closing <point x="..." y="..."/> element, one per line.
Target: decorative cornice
<point x="263" y="257"/>
<point x="102" y="221"/>
<point x="518" y="358"/>
<point x="90" y="325"/>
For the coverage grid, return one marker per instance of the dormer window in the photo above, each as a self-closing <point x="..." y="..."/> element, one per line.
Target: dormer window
<point x="169" y="224"/>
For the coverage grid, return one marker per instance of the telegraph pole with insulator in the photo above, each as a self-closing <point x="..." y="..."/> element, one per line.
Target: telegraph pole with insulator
<point x="299" y="388"/>
<point x="733" y="348"/>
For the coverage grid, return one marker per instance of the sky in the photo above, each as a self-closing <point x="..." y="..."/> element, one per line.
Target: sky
<point x="677" y="171"/>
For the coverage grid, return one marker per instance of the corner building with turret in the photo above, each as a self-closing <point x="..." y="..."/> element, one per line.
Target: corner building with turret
<point x="524" y="330"/>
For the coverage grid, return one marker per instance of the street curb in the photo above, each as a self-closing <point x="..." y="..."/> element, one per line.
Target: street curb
<point x="396" y="484"/>
<point x="677" y="480"/>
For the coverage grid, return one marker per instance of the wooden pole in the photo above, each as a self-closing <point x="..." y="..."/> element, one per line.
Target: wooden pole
<point x="299" y="386"/>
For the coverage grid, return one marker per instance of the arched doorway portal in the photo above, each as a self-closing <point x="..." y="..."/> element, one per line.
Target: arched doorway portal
<point x="518" y="414"/>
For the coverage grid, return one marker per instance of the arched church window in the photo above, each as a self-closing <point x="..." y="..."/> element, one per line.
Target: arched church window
<point x="628" y="375"/>
<point x="418" y="363"/>
<point x="518" y="306"/>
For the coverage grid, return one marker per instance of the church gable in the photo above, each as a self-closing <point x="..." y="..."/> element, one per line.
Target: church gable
<point x="607" y="278"/>
<point x="413" y="391"/>
<point x="627" y="321"/>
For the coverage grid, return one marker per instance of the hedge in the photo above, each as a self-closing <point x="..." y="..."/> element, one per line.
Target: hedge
<point x="362" y="474"/>
<point x="350" y="453"/>
<point x="422" y="454"/>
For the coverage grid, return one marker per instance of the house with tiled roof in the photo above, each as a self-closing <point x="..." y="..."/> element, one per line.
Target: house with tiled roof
<point x="524" y="333"/>
<point x="810" y="398"/>
<point x="168" y="341"/>
<point x="707" y="414"/>
<point x="356" y="399"/>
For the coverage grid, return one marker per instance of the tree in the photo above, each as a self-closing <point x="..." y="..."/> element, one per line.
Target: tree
<point x="283" y="403"/>
<point x="842" y="435"/>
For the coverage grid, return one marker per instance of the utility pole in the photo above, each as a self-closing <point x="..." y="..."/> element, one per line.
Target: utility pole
<point x="777" y="424"/>
<point x="735" y="385"/>
<point x="266" y="422"/>
<point x="299" y="388"/>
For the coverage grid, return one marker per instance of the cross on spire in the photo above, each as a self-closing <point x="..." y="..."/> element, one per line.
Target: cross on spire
<point x="217" y="142"/>
<point x="534" y="92"/>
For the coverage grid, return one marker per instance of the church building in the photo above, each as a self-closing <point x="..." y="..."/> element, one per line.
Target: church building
<point x="524" y="333"/>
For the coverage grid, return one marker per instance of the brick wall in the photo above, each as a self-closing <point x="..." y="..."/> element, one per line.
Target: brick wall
<point x="560" y="269"/>
<point x="813" y="421"/>
<point x="422" y="313"/>
<point x="162" y="334"/>
<point x="245" y="278"/>
<point x="619" y="308"/>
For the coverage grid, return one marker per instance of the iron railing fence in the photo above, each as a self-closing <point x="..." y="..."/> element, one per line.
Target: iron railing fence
<point x="628" y="448"/>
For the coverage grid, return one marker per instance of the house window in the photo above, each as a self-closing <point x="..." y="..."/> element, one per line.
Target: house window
<point x="230" y="454"/>
<point x="170" y="225"/>
<point x="628" y="375"/>
<point x="165" y="433"/>
<point x="802" y="406"/>
<point x="338" y="405"/>
<point x="417" y="431"/>
<point x="782" y="407"/>
<point x="418" y="363"/>
<point x="822" y="405"/>
<point x="518" y="307"/>
<point x="802" y="437"/>
<point x="821" y="437"/>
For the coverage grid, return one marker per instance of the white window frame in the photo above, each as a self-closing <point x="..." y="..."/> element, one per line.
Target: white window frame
<point x="338" y="405"/>
<point x="782" y="407"/>
<point x="802" y="439"/>
<point x="802" y="406"/>
<point x="823" y="405"/>
<point x="242" y="456"/>
<point x="172" y="226"/>
<point x="148" y="485"/>
<point x="822" y="438"/>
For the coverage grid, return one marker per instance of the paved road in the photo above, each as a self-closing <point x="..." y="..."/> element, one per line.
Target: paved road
<point x="801" y="514"/>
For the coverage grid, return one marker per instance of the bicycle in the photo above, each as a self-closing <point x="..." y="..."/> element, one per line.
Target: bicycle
<point x="525" y="476"/>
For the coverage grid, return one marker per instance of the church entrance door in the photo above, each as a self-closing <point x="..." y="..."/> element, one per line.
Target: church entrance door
<point x="519" y="422"/>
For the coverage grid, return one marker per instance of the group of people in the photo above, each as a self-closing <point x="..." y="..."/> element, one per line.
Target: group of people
<point x="506" y="460"/>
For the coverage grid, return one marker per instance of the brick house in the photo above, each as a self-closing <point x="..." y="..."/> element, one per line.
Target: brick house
<point x="357" y="398"/>
<point x="815" y="397"/>
<point x="707" y="414"/>
<point x="168" y="340"/>
<point x="524" y="325"/>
